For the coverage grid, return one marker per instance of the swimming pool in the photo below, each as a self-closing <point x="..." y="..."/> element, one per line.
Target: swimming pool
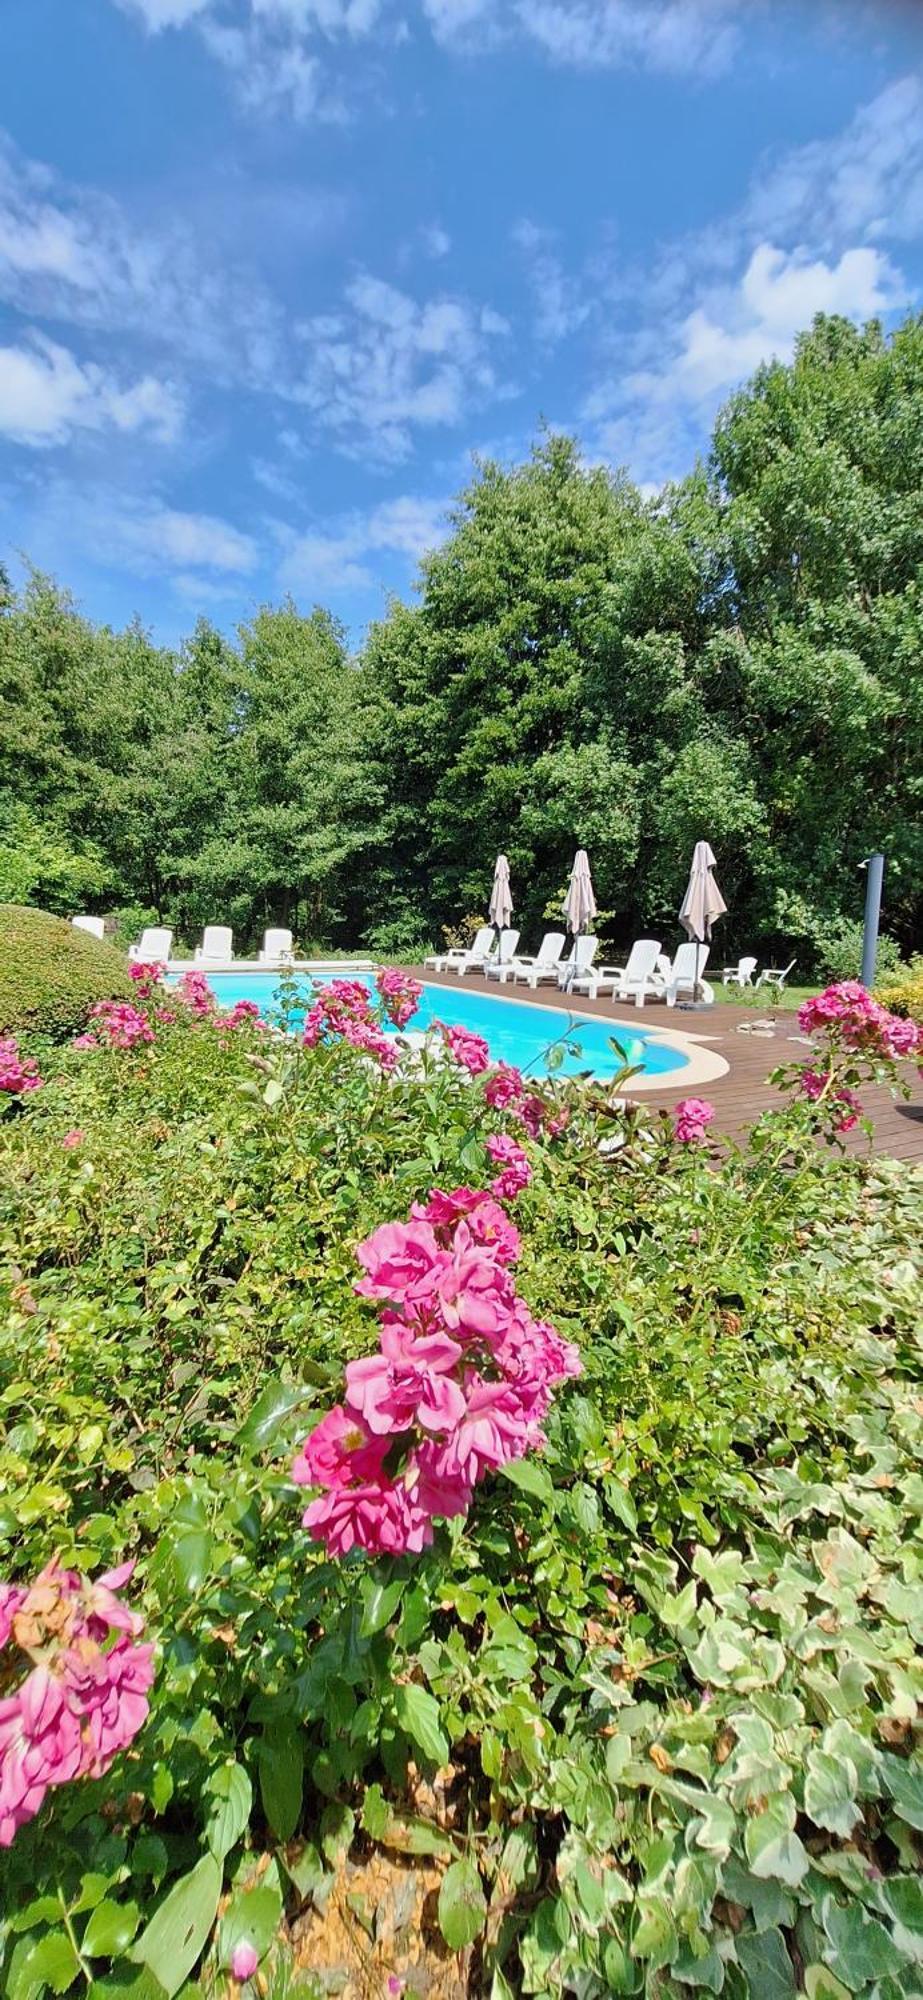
<point x="516" y="1031"/>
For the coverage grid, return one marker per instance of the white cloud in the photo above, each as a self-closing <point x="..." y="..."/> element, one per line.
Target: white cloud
<point x="157" y="14"/>
<point x="388" y="364"/>
<point x="331" y="17"/>
<point x="317" y="562"/>
<point x="865" y="181"/>
<point x="150" y="538"/>
<point x="651" y="416"/>
<point x="46" y="394"/>
<point x="71" y="254"/>
<point x="450" y="18"/>
<point x="561" y="304"/>
<point x="436" y="241"/>
<point x="695" y="37"/>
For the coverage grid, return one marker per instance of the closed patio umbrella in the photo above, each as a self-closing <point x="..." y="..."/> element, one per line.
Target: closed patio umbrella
<point x="702" y="904"/>
<point x="501" y="897"/>
<point x="580" y="902"/>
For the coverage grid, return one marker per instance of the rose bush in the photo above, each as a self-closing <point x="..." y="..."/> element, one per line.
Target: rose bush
<point x="666" y="1663"/>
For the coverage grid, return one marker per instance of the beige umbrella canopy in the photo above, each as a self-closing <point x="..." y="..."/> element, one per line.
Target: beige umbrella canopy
<point x="501" y="895"/>
<point x="580" y="902"/>
<point x="701" y="906"/>
<point x="703" y="902"/>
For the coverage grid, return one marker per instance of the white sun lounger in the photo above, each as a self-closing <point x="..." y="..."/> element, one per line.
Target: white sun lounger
<point x="216" y="947"/>
<point x="153" y="947"/>
<point x="471" y="963"/>
<point x="94" y="926"/>
<point x="546" y="959"/>
<point x="478" y="952"/>
<point x="740" y="974"/>
<point x="776" y="976"/>
<point x="578" y="963"/>
<point x="682" y="977"/>
<point x="634" y="980"/>
<point x="276" y="948"/>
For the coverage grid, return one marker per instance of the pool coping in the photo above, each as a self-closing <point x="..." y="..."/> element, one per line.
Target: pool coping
<point x="703" y="1064"/>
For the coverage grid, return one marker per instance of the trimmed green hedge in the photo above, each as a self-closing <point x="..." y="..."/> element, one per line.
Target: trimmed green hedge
<point x="51" y="974"/>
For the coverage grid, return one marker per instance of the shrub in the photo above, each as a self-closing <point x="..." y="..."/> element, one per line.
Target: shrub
<point x="51" y="974"/>
<point x="905" y="996"/>
<point x="644" y="1718"/>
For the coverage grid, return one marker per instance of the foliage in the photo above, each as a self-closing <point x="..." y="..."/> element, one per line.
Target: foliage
<point x="740" y="657"/>
<point x="51" y="974"/>
<point x="906" y="996"/>
<point x="648" y="1712"/>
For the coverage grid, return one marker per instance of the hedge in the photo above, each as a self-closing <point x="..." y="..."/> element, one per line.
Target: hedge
<point x="51" y="974"/>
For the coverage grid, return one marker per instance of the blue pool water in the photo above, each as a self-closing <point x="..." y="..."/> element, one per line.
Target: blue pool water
<point x="516" y="1031"/>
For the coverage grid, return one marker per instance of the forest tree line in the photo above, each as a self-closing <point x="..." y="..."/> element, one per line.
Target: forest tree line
<point x="740" y="660"/>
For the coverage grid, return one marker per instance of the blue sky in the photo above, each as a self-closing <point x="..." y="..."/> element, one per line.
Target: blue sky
<point x="272" y="270"/>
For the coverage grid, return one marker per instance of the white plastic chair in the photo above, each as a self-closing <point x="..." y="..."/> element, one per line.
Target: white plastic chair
<point x="632" y="981"/>
<point x="577" y="965"/>
<point x="216" y="947"/>
<point x="153" y="947"/>
<point x="477" y="952"/>
<point x="94" y="926"/>
<point x="690" y="960"/>
<point x="546" y="959"/>
<point x="470" y="963"/>
<point x="276" y="948"/>
<point x="740" y="974"/>
<point x="776" y="976"/>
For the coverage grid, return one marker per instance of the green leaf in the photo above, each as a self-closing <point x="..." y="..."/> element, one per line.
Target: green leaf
<point x="176" y="1935"/>
<point x="830" y="1788"/>
<point x="119" y="1986"/>
<point x="530" y="1477"/>
<point x="769" y="1972"/>
<point x="191" y="1558"/>
<point x="905" y="1784"/>
<point x="861" y="1949"/>
<point x="655" y="1939"/>
<point x="253" y="1917"/>
<point x="272" y="1406"/>
<point x="231" y="1793"/>
<point x="280" y="1761"/>
<point x="620" y="1503"/>
<point x="54" y="1961"/>
<point x="110" y="1929"/>
<point x="773" y="1849"/>
<point x="417" y="1712"/>
<point x="381" y="1603"/>
<point x="462" y="1905"/>
<point x="819" y="1984"/>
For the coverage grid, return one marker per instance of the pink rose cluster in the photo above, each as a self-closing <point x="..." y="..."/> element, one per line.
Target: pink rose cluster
<point x="691" y="1118"/>
<point x="146" y="977"/>
<point x="515" y="1169"/>
<point x="844" y="1103"/>
<point x="85" y="1696"/>
<point x="506" y="1090"/>
<point x="469" y="1051"/>
<point x="343" y="1011"/>
<point x="120" y="1023"/>
<point x="18" y="1074"/>
<point x="399" y="994"/>
<point x="851" y="1018"/>
<point x="462" y="1381"/>
<point x="242" y="1012"/>
<point x="196" y="994"/>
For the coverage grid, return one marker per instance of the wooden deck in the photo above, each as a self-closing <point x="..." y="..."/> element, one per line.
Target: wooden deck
<point x="743" y="1093"/>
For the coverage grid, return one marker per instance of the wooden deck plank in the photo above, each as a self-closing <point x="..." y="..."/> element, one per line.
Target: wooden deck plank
<point x="744" y="1092"/>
